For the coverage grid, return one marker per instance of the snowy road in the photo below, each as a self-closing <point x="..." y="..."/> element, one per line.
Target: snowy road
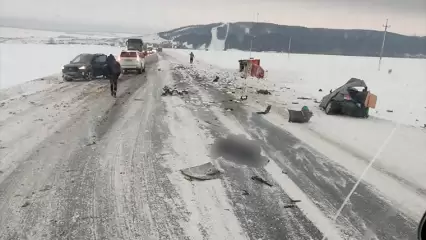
<point x="79" y="164"/>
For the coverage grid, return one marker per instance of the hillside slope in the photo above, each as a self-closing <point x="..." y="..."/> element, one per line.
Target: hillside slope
<point x="273" y="37"/>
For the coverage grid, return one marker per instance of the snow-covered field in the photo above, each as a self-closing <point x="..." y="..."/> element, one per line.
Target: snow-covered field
<point x="24" y="62"/>
<point x="395" y="140"/>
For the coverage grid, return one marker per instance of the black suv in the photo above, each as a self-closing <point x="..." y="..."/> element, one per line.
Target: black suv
<point x="85" y="66"/>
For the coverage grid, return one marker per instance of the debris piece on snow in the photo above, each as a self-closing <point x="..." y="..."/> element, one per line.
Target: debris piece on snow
<point x="389" y="111"/>
<point x="284" y="172"/>
<point x="216" y="79"/>
<point x="26" y="204"/>
<point x="46" y="188"/>
<point x="264" y="92"/>
<point x="206" y="171"/>
<point x="294" y="102"/>
<point x="138" y="99"/>
<point x="229" y="109"/>
<point x="302" y="116"/>
<point x="245" y="193"/>
<point x="290" y="206"/>
<point x="267" y="110"/>
<point x="304" y="98"/>
<point x="320" y="90"/>
<point x="242" y="98"/>
<point x="261" y="180"/>
<point x="294" y="201"/>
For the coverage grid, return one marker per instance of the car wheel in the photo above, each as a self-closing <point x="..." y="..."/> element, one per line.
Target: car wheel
<point x="66" y="79"/>
<point x="329" y="108"/>
<point x="143" y="70"/>
<point x="89" y="76"/>
<point x="140" y="71"/>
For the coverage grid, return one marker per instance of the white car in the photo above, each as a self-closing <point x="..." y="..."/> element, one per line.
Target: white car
<point x="132" y="60"/>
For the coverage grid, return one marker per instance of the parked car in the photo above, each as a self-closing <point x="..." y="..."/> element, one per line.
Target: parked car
<point x="348" y="99"/>
<point x="85" y="66"/>
<point x="132" y="60"/>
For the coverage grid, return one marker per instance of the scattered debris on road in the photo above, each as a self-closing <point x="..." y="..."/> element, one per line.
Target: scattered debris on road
<point x="206" y="171"/>
<point x="290" y="206"/>
<point x="302" y="116"/>
<point x="242" y="98"/>
<point x="167" y="91"/>
<point x="245" y="193"/>
<point x="264" y="92"/>
<point x="304" y="98"/>
<point x="46" y="188"/>
<point x="229" y="109"/>
<point x="261" y="180"/>
<point x="320" y="90"/>
<point x="138" y="99"/>
<point x="294" y="102"/>
<point x="267" y="110"/>
<point x="389" y="111"/>
<point x="216" y="79"/>
<point x="26" y="204"/>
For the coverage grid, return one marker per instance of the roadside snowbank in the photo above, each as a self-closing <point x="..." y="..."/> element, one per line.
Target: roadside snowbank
<point x="25" y="62"/>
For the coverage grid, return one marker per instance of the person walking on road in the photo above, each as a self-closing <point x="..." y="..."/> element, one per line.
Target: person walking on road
<point x="114" y="71"/>
<point x="191" y="57"/>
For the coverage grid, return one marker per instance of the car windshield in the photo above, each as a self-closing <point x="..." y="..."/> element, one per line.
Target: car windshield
<point x="216" y="120"/>
<point x="82" y="58"/>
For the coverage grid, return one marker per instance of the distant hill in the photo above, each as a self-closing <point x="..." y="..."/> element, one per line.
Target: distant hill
<point x="274" y="37"/>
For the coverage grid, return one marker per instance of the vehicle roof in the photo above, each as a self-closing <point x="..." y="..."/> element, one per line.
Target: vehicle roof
<point x="129" y="51"/>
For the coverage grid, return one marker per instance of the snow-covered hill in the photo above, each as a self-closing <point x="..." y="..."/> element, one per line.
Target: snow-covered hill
<point x="267" y="37"/>
<point x="30" y="36"/>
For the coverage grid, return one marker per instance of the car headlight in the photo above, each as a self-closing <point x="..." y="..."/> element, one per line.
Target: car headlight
<point x="63" y="67"/>
<point x="82" y="67"/>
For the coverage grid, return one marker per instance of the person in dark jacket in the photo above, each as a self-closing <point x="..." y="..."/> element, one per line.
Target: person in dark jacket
<point x="114" y="71"/>
<point x="191" y="57"/>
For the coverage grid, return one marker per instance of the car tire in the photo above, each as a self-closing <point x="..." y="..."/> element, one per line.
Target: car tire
<point x="143" y="70"/>
<point x="140" y="71"/>
<point x="66" y="79"/>
<point x="89" y="76"/>
<point x="329" y="109"/>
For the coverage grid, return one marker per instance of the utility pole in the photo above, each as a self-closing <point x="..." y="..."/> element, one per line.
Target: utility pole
<point x="251" y="41"/>
<point x="383" y="43"/>
<point x="289" y="47"/>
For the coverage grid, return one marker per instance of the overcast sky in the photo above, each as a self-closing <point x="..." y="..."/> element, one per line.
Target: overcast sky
<point x="405" y="16"/>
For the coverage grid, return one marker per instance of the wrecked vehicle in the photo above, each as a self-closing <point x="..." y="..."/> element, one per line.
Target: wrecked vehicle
<point x="352" y="99"/>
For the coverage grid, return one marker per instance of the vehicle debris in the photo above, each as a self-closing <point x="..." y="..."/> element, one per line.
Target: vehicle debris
<point x="242" y="98"/>
<point x="302" y="116"/>
<point x="46" y="188"/>
<point x="290" y="206"/>
<point x="389" y="111"/>
<point x="26" y="204"/>
<point x="304" y="98"/>
<point x="167" y="91"/>
<point x="206" y="171"/>
<point x="245" y="193"/>
<point x="216" y="79"/>
<point x="320" y="90"/>
<point x="264" y="92"/>
<point x="267" y="110"/>
<point x="229" y="109"/>
<point x="261" y="180"/>
<point x="349" y="100"/>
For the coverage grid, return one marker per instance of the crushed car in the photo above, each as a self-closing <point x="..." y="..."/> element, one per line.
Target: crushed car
<point x="351" y="99"/>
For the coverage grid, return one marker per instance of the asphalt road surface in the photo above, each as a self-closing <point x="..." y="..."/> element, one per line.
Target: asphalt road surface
<point x="79" y="164"/>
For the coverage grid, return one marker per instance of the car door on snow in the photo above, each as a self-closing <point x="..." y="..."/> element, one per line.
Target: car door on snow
<point x="98" y="64"/>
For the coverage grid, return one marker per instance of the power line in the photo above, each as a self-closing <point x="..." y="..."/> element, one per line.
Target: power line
<point x="386" y="26"/>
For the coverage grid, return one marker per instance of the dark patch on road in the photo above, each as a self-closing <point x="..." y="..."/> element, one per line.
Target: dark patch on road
<point x="240" y="150"/>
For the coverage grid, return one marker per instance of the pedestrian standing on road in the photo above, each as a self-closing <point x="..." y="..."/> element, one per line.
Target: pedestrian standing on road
<point x="114" y="71"/>
<point x="191" y="57"/>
